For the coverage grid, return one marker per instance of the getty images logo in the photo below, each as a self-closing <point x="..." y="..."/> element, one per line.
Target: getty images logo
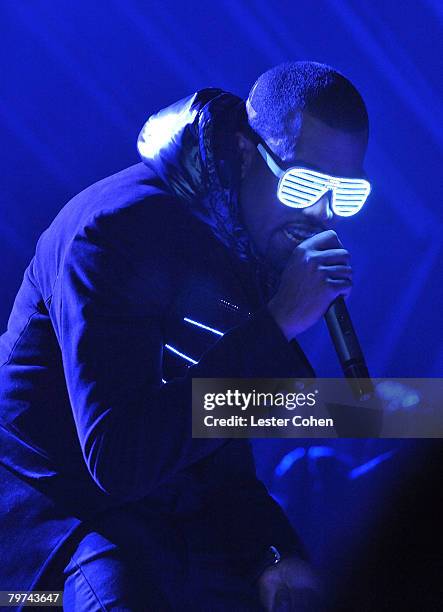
<point x="253" y="399"/>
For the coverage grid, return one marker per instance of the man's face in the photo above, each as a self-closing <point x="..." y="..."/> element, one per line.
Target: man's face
<point x="276" y="229"/>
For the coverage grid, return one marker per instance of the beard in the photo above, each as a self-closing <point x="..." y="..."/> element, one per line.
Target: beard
<point x="279" y="249"/>
<point x="282" y="244"/>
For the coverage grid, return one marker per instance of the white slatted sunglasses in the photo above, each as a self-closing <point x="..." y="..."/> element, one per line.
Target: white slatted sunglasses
<point x="300" y="187"/>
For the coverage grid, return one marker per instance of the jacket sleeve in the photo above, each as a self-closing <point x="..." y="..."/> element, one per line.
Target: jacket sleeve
<point x="107" y="310"/>
<point x="241" y="520"/>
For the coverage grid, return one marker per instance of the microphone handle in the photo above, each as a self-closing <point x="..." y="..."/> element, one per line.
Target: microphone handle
<point x="348" y="348"/>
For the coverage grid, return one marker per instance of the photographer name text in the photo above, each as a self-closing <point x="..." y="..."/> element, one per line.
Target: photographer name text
<point x="254" y="421"/>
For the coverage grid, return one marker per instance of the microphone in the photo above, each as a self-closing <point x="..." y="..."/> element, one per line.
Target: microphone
<point x="348" y="349"/>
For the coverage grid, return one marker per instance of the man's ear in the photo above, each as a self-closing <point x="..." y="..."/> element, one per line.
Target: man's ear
<point x="247" y="150"/>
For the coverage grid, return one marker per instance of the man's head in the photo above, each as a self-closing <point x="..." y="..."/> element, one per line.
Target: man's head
<point x="307" y="114"/>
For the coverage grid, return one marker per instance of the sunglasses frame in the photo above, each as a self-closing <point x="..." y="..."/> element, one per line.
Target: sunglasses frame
<point x="331" y="183"/>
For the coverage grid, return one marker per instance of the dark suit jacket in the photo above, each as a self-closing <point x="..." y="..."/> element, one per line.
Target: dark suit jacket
<point x="86" y="422"/>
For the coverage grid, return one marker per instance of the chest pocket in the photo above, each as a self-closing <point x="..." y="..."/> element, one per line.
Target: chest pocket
<point x="197" y="324"/>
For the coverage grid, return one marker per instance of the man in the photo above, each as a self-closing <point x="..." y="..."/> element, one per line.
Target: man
<point x="185" y="265"/>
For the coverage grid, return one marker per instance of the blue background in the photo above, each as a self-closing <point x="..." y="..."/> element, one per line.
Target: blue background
<point x="80" y="78"/>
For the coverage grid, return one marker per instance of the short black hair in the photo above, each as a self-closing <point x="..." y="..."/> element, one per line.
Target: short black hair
<point x="281" y="94"/>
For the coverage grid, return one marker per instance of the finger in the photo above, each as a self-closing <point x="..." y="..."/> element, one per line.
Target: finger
<point x="332" y="257"/>
<point x="339" y="286"/>
<point x="337" y="272"/>
<point x="323" y="240"/>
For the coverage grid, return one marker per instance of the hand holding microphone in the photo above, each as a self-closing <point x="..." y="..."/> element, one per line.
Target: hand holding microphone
<point x="317" y="273"/>
<point x="314" y="282"/>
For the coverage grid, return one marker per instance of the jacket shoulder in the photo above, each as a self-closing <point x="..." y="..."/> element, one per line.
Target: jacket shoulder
<point x="130" y="213"/>
<point x="133" y="195"/>
<point x="134" y="214"/>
